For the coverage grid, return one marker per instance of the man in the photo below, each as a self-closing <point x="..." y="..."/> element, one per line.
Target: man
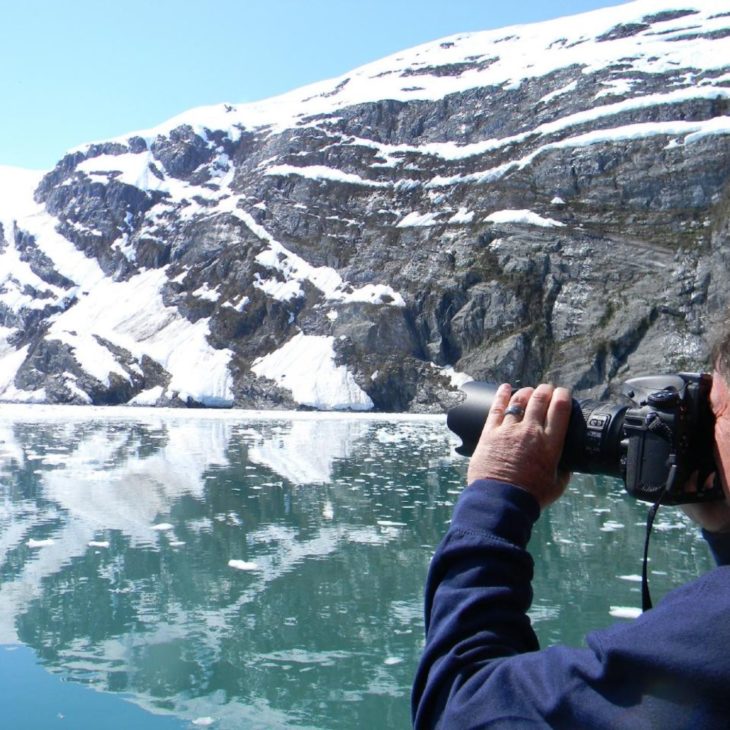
<point x="482" y="666"/>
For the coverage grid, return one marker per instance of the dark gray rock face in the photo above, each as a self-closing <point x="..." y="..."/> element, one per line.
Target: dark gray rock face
<point x="564" y="220"/>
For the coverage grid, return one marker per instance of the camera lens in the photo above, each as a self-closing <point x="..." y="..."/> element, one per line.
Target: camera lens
<point x="592" y="444"/>
<point x="467" y="419"/>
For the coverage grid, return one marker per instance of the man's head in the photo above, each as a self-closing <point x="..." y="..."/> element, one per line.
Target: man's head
<point x="720" y="401"/>
<point x="715" y="516"/>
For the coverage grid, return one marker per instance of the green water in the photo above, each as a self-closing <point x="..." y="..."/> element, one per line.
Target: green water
<point x="194" y="569"/>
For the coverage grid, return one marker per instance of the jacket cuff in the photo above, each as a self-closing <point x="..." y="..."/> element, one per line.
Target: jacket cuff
<point x="491" y="507"/>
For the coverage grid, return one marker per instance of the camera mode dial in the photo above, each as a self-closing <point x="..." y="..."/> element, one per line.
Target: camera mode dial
<point x="664" y="398"/>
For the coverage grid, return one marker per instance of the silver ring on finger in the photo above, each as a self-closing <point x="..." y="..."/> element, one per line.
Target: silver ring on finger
<point x="515" y="410"/>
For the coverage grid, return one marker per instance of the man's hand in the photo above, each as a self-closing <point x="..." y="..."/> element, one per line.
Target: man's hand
<point x="524" y="450"/>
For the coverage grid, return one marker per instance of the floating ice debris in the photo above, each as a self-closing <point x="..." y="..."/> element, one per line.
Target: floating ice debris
<point x="163" y="526"/>
<point x="625" y="611"/>
<point x="242" y="565"/>
<point x="39" y="543"/>
<point x="665" y="526"/>
<point x="98" y="543"/>
<point x="392" y="661"/>
<point x="389" y="523"/>
<point x="632" y="578"/>
<point x="611" y="526"/>
<point x="203" y="721"/>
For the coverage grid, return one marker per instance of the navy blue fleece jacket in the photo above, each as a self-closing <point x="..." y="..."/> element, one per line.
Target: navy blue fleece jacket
<point x="482" y="666"/>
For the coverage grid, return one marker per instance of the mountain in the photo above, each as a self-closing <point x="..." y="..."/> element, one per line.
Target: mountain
<point x="547" y="201"/>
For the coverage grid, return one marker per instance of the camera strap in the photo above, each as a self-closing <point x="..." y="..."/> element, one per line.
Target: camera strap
<point x="646" y="603"/>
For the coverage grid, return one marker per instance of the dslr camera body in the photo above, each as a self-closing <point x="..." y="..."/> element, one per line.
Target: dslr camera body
<point x="659" y="439"/>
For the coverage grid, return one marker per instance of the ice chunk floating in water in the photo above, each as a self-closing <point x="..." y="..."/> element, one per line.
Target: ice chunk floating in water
<point x="242" y="565"/>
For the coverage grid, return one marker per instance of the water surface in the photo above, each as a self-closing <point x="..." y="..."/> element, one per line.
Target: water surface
<point x="178" y="569"/>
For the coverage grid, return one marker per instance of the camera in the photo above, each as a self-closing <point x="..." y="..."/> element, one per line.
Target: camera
<point x="656" y="438"/>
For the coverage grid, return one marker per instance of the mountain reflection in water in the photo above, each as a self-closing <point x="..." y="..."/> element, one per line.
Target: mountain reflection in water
<point x="266" y="570"/>
<point x="122" y="537"/>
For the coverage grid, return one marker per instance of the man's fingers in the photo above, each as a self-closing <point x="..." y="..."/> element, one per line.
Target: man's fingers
<point x="499" y="404"/>
<point x="537" y="406"/>
<point x="558" y="415"/>
<point x="521" y="399"/>
<point x="522" y="439"/>
<point x="545" y="405"/>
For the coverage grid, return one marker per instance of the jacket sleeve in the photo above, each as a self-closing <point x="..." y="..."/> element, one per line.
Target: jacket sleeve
<point x="482" y="668"/>
<point x="478" y="593"/>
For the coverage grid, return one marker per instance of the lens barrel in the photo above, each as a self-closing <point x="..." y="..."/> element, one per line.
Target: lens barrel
<point x="592" y="444"/>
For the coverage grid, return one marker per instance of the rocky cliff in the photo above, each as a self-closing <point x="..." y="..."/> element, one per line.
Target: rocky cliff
<point x="544" y="201"/>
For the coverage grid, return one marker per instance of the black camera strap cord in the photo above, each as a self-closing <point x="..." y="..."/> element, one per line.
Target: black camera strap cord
<point x="646" y="603"/>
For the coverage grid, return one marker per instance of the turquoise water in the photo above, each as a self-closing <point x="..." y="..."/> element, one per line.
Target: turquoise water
<point x="191" y="569"/>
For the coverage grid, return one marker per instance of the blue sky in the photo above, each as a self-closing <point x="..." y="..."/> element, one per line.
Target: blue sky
<point x="75" y="71"/>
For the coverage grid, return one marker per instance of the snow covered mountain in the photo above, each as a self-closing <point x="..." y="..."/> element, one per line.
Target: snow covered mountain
<point x="543" y="201"/>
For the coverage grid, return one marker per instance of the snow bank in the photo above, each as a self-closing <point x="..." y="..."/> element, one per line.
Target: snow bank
<point x="132" y="315"/>
<point x="305" y="365"/>
<point x="321" y="172"/>
<point x="522" y="216"/>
